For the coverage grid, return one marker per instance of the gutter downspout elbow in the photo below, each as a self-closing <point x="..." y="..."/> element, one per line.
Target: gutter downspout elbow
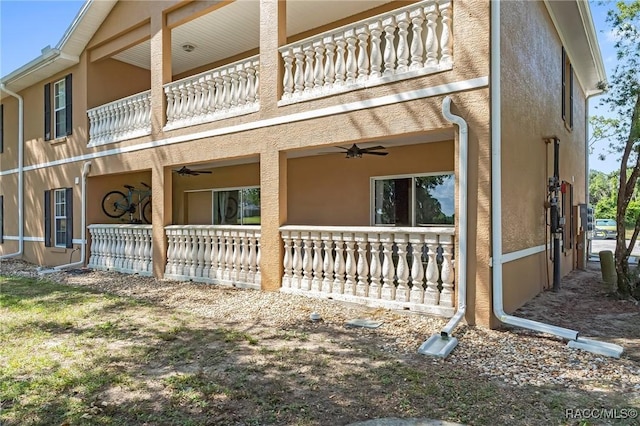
<point x="20" y="173"/>
<point x="463" y="146"/>
<point x="86" y="167"/>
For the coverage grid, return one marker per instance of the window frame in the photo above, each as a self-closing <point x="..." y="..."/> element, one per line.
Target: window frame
<point x="412" y="201"/>
<point x="59" y="217"/>
<point x="1" y="128"/>
<point x="213" y="192"/>
<point x="51" y="218"/>
<point x="59" y="98"/>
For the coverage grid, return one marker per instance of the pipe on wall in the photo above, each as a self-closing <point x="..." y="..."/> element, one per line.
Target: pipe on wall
<point x="86" y="167"/>
<point x="463" y="159"/>
<point x="20" y="173"/>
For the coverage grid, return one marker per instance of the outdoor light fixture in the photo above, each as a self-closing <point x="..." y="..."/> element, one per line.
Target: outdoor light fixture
<point x="188" y="47"/>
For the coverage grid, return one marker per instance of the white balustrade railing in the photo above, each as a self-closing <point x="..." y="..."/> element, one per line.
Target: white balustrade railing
<point x="396" y="268"/>
<point x="223" y="92"/>
<point x="407" y="42"/>
<point x="120" y="120"/>
<point x="218" y="254"/>
<point x="122" y="248"/>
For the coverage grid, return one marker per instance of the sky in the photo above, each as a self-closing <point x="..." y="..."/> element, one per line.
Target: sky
<point x="49" y="19"/>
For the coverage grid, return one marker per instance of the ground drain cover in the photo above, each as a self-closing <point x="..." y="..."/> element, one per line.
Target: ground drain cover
<point x="363" y="322"/>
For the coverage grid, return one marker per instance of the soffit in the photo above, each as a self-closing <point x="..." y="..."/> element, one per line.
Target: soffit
<point x="574" y="24"/>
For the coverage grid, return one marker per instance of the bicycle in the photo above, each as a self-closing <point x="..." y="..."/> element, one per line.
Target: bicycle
<point x="115" y="204"/>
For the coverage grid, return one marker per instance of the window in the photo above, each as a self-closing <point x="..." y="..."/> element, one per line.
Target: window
<point x="60" y="224"/>
<point x="59" y="97"/>
<point x="414" y="200"/>
<point x="236" y="207"/>
<point x="567" y="90"/>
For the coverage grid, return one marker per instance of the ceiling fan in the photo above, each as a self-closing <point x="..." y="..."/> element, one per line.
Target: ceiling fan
<point x="356" y="152"/>
<point x="185" y="171"/>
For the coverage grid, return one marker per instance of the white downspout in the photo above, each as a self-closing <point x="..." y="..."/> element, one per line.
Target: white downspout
<point x="20" y="173"/>
<point x="463" y="160"/>
<point x="440" y="345"/>
<point x="83" y="222"/>
<point x="496" y="213"/>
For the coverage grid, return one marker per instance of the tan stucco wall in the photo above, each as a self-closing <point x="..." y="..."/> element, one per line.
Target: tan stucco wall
<point x="531" y="111"/>
<point x="109" y="80"/>
<point x="334" y="190"/>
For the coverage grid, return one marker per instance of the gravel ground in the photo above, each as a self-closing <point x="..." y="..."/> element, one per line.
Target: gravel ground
<point x="515" y="357"/>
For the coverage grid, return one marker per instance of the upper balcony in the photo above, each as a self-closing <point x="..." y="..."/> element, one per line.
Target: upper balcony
<point x="215" y="62"/>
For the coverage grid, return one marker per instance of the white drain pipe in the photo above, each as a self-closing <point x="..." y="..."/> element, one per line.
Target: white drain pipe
<point x="496" y="214"/>
<point x="85" y="171"/>
<point x="463" y="161"/>
<point x="20" y="173"/>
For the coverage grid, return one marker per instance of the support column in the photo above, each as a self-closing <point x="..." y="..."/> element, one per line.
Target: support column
<point x="161" y="216"/>
<point x="160" y="70"/>
<point x="273" y="210"/>
<point x="271" y="63"/>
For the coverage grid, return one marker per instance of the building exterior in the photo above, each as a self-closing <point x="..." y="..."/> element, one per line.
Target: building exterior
<point x="239" y="115"/>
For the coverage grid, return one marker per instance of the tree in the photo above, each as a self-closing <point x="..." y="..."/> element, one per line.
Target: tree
<point x="623" y="99"/>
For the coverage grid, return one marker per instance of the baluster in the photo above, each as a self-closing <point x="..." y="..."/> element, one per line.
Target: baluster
<point x="338" y="266"/>
<point x="350" y="264"/>
<point x="127" y="252"/>
<point x="110" y="111"/>
<point x="298" y="77"/>
<point x="181" y="252"/>
<point x="200" y="253"/>
<point x="362" y="267"/>
<point x="308" y="67"/>
<point x="316" y="282"/>
<point x="287" y="80"/>
<point x="148" y="250"/>
<point x="306" y="262"/>
<point x="214" y="254"/>
<point x="389" y="55"/>
<point x="431" y="43"/>
<point x="297" y="261"/>
<point x="417" y="270"/>
<point x="184" y="101"/>
<point x="226" y="90"/>
<point x="327" y="262"/>
<point x="191" y="101"/>
<point x="351" y="64"/>
<point x="147" y="113"/>
<point x="447" y="273"/>
<point x="432" y="294"/>
<point x="206" y="270"/>
<point x="169" y="267"/>
<point x="402" y="20"/>
<point x="119" y="249"/>
<point x="242" y="84"/>
<point x="137" y="122"/>
<point x="363" y="54"/>
<point x="258" y="278"/>
<point x="375" y="29"/>
<point x="257" y="83"/>
<point x="228" y="259"/>
<point x="318" y="70"/>
<point x="329" y="66"/>
<point x="191" y="253"/>
<point x="417" y="48"/>
<point x="209" y="104"/>
<point x="374" y="266"/>
<point x="287" y="279"/>
<point x="233" y="89"/>
<point x="251" y="83"/>
<point x="201" y="110"/>
<point x="221" y="254"/>
<point x="445" y="36"/>
<point x="92" y="125"/>
<point x="402" y="270"/>
<point x="218" y="100"/>
<point x="341" y="67"/>
<point x="388" y="291"/>
<point x="235" y="256"/>
<point x="137" y="250"/>
<point x="251" y="258"/>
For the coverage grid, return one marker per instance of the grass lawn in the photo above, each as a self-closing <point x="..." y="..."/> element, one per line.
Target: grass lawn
<point x="72" y="356"/>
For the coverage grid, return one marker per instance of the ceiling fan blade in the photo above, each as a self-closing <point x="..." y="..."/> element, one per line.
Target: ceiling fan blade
<point x="342" y="147"/>
<point x="373" y="148"/>
<point x="374" y="153"/>
<point x="199" y="172"/>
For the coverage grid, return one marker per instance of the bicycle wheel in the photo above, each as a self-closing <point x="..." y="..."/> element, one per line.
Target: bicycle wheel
<point x="115" y="204"/>
<point x="146" y="212"/>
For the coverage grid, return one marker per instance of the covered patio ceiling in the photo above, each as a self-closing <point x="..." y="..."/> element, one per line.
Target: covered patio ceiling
<point x="235" y="29"/>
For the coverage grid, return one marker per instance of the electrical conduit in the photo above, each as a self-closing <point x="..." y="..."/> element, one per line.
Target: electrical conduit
<point x="20" y="173"/>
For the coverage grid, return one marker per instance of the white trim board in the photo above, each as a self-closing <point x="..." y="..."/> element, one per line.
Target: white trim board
<point x="516" y="255"/>
<point x="36" y="239"/>
<point x="427" y="92"/>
